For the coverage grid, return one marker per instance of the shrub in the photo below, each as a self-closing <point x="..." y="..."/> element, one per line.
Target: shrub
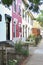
<point x="37" y="39"/>
<point x="18" y="47"/>
<point x="20" y="50"/>
<point x="31" y="37"/>
<point x="12" y="62"/>
<point x="34" y="38"/>
<point x="25" y="52"/>
<point x="40" y="37"/>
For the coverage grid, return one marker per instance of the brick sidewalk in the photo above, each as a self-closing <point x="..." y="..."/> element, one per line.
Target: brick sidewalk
<point x="36" y="59"/>
<point x="37" y="55"/>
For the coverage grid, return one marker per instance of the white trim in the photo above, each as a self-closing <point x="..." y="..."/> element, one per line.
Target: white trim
<point x="15" y="29"/>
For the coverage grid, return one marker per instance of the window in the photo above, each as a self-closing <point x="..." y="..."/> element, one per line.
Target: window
<point x="23" y="13"/>
<point x="28" y="19"/>
<point x="25" y="16"/>
<point x="0" y="17"/>
<point x="19" y="10"/>
<point x="23" y="30"/>
<point x="0" y="1"/>
<point x="15" y="5"/>
<point x="26" y="31"/>
<point x="31" y="22"/>
<point x="19" y="27"/>
<point x="14" y="32"/>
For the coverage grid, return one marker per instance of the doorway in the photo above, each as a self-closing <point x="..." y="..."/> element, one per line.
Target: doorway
<point x="8" y="31"/>
<point x="8" y="19"/>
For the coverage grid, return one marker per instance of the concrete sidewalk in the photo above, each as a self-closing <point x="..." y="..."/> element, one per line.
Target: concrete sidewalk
<point x="37" y="55"/>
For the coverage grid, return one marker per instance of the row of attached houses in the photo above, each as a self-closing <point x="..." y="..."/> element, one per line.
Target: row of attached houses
<point x="22" y="22"/>
<point x="16" y="23"/>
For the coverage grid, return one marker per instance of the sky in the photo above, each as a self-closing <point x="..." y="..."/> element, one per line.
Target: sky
<point x="41" y="7"/>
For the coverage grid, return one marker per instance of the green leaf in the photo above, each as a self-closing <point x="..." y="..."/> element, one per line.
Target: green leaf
<point x="7" y="2"/>
<point x="40" y="18"/>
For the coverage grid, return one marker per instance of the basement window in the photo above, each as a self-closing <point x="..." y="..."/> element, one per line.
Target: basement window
<point x="0" y="17"/>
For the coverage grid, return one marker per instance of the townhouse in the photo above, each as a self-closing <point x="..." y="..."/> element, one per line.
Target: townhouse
<point x="27" y="21"/>
<point x="16" y="19"/>
<point x="5" y="23"/>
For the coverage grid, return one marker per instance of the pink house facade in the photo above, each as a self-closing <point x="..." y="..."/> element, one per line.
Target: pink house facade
<point x="16" y="19"/>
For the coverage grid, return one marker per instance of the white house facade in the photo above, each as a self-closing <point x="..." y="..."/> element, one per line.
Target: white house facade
<point x="27" y="23"/>
<point x="5" y="23"/>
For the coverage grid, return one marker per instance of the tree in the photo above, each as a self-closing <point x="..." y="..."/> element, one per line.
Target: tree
<point x="7" y="2"/>
<point x="40" y="18"/>
<point x="33" y="5"/>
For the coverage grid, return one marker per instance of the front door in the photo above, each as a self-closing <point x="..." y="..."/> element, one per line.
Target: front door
<point x="8" y="19"/>
<point x="8" y="31"/>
